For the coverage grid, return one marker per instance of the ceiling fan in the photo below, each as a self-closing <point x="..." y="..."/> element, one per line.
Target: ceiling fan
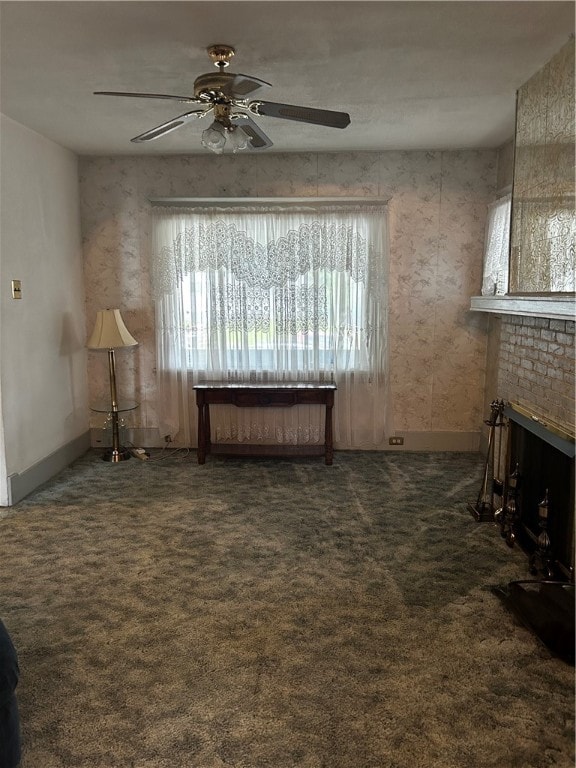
<point x="226" y="96"/>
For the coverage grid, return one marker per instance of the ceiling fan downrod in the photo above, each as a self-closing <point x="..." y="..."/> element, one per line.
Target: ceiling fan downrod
<point x="213" y="87"/>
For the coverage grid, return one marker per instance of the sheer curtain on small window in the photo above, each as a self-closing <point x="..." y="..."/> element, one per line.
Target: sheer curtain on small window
<point x="266" y="294"/>
<point x="497" y="248"/>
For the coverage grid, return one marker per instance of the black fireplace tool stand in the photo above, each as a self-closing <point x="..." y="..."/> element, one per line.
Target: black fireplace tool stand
<point x="483" y="509"/>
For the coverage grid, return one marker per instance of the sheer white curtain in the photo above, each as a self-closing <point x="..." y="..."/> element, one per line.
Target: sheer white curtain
<point x="497" y="248"/>
<point x="264" y="294"/>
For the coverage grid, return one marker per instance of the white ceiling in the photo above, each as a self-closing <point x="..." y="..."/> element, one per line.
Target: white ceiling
<point x="412" y="75"/>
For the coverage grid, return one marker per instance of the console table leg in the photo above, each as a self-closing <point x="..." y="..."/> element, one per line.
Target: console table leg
<point x="201" y="433"/>
<point x="328" y="439"/>
<point x="207" y="428"/>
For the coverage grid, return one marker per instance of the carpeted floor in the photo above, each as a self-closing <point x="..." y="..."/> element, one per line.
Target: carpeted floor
<point x="274" y="614"/>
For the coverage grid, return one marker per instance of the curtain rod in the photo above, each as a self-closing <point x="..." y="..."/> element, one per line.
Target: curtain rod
<point x="224" y="201"/>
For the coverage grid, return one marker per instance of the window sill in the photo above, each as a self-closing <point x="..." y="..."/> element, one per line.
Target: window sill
<point x="553" y="307"/>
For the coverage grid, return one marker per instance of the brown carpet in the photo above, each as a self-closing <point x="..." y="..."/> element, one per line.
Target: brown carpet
<point x="274" y="614"/>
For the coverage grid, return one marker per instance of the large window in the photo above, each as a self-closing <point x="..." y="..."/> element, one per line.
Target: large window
<point x="313" y="324"/>
<point x="271" y="293"/>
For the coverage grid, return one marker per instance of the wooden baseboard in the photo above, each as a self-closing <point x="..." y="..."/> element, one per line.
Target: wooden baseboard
<point x="20" y="484"/>
<point x="460" y="442"/>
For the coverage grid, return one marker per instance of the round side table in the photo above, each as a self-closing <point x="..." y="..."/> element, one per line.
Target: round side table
<point x="116" y="452"/>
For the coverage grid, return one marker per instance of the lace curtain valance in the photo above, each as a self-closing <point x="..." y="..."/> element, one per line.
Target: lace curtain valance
<point x="261" y="247"/>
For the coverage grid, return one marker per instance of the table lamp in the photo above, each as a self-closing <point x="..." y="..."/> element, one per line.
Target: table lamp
<point x="110" y="333"/>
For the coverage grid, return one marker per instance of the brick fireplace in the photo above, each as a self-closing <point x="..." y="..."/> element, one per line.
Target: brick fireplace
<point x="535" y="366"/>
<point x="533" y="371"/>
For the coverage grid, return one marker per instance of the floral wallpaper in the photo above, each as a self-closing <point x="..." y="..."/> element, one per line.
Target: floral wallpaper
<point x="437" y="204"/>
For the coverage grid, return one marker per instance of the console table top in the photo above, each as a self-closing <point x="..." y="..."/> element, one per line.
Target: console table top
<point x="274" y="385"/>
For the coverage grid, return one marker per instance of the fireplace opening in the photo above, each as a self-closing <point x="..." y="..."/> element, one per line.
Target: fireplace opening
<point x="538" y="510"/>
<point x="544" y="496"/>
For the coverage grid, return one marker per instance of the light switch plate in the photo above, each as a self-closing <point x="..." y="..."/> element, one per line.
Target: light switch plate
<point x="16" y="289"/>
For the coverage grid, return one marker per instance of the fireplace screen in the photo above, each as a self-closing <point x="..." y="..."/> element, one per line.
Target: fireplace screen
<point x="545" y="494"/>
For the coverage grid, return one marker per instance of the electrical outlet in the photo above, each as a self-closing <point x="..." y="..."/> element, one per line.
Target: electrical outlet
<point x="395" y="441"/>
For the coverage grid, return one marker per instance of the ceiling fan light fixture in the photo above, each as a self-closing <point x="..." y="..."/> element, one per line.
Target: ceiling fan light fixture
<point x="237" y="138"/>
<point x="214" y="137"/>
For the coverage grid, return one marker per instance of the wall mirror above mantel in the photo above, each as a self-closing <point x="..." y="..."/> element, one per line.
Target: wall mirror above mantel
<point x="543" y="219"/>
<point x="530" y="265"/>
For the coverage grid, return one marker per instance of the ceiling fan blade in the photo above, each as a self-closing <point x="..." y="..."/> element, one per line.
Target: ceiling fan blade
<point x="171" y="125"/>
<point x="245" y="85"/>
<point x="302" y="114"/>
<point x="182" y="99"/>
<point x="257" y="139"/>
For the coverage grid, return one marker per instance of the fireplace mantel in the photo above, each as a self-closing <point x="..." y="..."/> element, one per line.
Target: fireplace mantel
<point x="552" y="307"/>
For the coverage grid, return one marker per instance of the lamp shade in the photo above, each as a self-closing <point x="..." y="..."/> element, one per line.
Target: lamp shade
<point x="110" y="332"/>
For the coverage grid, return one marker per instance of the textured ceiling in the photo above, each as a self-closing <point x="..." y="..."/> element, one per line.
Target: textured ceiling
<point x="412" y="75"/>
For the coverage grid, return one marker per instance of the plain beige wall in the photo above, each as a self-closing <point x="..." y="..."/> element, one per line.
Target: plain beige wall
<point x="43" y="379"/>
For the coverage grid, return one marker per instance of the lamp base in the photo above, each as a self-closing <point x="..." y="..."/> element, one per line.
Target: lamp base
<point x="121" y="454"/>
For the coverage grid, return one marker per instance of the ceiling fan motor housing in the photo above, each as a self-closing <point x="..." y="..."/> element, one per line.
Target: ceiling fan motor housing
<point x="222" y="114"/>
<point x="212" y="85"/>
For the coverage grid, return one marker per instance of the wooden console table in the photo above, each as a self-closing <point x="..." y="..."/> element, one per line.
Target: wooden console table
<point x="257" y="396"/>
